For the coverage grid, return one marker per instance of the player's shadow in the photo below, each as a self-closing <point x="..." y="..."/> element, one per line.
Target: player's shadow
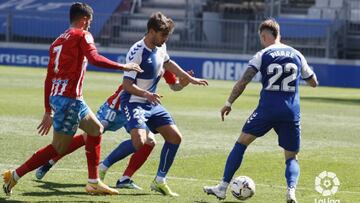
<point x="4" y="199"/>
<point x="54" y="189"/>
<point x="332" y="100"/>
<point x="140" y="194"/>
<point x="219" y="201"/>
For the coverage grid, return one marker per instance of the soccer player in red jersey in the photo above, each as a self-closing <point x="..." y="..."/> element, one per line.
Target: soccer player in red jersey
<point x="64" y="105"/>
<point x="113" y="119"/>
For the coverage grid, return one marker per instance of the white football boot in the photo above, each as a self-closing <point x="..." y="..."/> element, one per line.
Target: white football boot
<point x="218" y="191"/>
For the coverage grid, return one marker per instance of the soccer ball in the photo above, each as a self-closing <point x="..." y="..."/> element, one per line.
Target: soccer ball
<point x="242" y="187"/>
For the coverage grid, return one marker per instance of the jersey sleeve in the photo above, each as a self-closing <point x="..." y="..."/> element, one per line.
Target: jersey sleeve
<point x="169" y="77"/>
<point x="134" y="56"/>
<point x="89" y="50"/>
<point x="47" y="90"/>
<point x="306" y="71"/>
<point x="255" y="62"/>
<point x="166" y="55"/>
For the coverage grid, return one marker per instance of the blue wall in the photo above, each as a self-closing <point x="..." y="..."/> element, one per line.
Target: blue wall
<point x="49" y="18"/>
<point x="338" y="75"/>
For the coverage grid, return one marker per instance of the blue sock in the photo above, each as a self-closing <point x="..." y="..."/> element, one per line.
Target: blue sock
<point x="167" y="157"/>
<point x="233" y="161"/>
<point x="292" y="172"/>
<point x="121" y="151"/>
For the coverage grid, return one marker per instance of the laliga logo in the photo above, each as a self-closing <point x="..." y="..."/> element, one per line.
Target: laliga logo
<point x="326" y="183"/>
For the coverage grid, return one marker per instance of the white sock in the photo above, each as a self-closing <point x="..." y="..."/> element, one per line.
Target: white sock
<point x="223" y="185"/>
<point x="102" y="167"/>
<point x="160" y="179"/>
<point x="124" y="178"/>
<point x="15" y="176"/>
<point x="292" y="188"/>
<point x="51" y="162"/>
<point x="93" y="180"/>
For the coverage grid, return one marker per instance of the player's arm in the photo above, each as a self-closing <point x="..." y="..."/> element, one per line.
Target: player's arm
<point x="88" y="48"/>
<point x="307" y="73"/>
<point x="184" y="81"/>
<point x="174" y="84"/>
<point x="172" y="81"/>
<point x="46" y="123"/>
<point x="173" y="67"/>
<point x="48" y="85"/>
<point x="312" y="81"/>
<point x="132" y="88"/>
<point x="238" y="89"/>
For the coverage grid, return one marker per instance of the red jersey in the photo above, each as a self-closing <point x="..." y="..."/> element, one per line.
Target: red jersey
<point x="114" y="100"/>
<point x="68" y="57"/>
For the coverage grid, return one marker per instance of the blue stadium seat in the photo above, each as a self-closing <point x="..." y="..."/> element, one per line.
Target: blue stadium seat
<point x="49" y="18"/>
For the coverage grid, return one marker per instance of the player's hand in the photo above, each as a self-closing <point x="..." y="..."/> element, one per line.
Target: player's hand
<point x="45" y="125"/>
<point x="184" y="81"/>
<point x="197" y="81"/>
<point x="224" y="112"/>
<point x="132" y="67"/>
<point x="152" y="97"/>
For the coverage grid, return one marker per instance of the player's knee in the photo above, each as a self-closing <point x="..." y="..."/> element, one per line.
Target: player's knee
<point x="62" y="151"/>
<point x="246" y="138"/>
<point x="151" y="141"/>
<point x="176" y="139"/>
<point x="60" y="148"/>
<point x="290" y="154"/>
<point x="97" y="130"/>
<point x="138" y="142"/>
<point x="179" y="139"/>
<point x="100" y="129"/>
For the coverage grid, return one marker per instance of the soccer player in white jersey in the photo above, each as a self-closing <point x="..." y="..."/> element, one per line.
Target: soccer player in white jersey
<point x="141" y="104"/>
<point x="281" y="67"/>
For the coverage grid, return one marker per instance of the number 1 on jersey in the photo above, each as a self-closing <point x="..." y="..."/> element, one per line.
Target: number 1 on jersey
<point x="57" y="51"/>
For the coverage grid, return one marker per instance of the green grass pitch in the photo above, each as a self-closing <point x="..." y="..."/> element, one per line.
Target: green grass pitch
<point x="330" y="142"/>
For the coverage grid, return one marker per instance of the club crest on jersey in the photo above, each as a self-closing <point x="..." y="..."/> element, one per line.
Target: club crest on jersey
<point x="89" y="39"/>
<point x="149" y="60"/>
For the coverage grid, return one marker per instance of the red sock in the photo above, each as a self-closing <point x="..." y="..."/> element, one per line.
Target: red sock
<point x="138" y="159"/>
<point x="38" y="159"/>
<point x="76" y="143"/>
<point x="92" y="149"/>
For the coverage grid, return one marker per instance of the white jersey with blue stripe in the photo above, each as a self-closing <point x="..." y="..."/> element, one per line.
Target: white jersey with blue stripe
<point x="281" y="67"/>
<point x="151" y="61"/>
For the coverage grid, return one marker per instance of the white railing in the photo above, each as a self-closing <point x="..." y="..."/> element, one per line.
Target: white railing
<point x="208" y="35"/>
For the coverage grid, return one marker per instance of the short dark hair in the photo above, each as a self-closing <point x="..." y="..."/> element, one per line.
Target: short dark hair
<point x="78" y="10"/>
<point x="159" y="22"/>
<point x="271" y="26"/>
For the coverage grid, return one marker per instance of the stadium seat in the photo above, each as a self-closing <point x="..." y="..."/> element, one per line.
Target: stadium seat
<point x="336" y="3"/>
<point x="314" y="13"/>
<point x="322" y="3"/>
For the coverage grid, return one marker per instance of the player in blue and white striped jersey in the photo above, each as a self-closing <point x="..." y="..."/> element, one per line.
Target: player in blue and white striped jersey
<point x="281" y="68"/>
<point x="141" y="103"/>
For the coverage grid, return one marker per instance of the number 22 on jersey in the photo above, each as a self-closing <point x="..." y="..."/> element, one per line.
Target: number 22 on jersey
<point x="279" y="70"/>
